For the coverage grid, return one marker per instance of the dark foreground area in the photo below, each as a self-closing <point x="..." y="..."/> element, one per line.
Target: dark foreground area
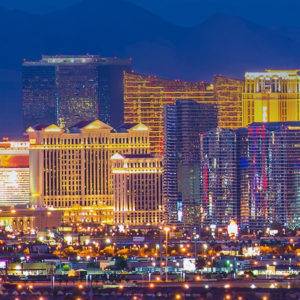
<point x="138" y="293"/>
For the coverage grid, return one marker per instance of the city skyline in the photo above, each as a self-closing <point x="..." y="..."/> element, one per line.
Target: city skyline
<point x="150" y="149"/>
<point x="188" y="124"/>
<point x="185" y="124"/>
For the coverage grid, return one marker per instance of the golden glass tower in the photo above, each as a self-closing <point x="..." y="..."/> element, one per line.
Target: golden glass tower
<point x="271" y="96"/>
<point x="145" y="97"/>
<point x="228" y="93"/>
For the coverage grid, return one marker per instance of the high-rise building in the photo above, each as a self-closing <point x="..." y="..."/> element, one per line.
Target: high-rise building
<point x="145" y="96"/>
<point x="39" y="93"/>
<point x="274" y="174"/>
<point x="71" y="171"/>
<point x="219" y="186"/>
<point x="184" y="121"/>
<point x="242" y="176"/>
<point x="64" y="90"/>
<point x="228" y="93"/>
<point x="138" y="196"/>
<point x="271" y="96"/>
<point x="14" y="173"/>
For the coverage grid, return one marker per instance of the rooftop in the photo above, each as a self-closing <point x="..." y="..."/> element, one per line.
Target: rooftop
<point x="77" y="59"/>
<point x="286" y="74"/>
<point x="276" y="125"/>
<point x="134" y="126"/>
<point x="89" y="125"/>
<point x="131" y="156"/>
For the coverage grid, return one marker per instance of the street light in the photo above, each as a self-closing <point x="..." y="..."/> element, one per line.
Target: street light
<point x="153" y="265"/>
<point x="196" y="237"/>
<point x="167" y="229"/>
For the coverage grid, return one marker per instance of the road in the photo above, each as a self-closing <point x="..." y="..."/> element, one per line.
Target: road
<point x="227" y="284"/>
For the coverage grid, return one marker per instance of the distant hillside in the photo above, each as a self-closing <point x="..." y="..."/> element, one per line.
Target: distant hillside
<point x="37" y="6"/>
<point x="222" y="44"/>
<point x="189" y="12"/>
<point x="193" y="12"/>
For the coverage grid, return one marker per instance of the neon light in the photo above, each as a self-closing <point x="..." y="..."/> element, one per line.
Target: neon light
<point x="117" y="156"/>
<point x="97" y="124"/>
<point x="206" y="184"/>
<point x="140" y="127"/>
<point x="265" y="114"/>
<point x="232" y="228"/>
<point x="29" y="129"/>
<point x="32" y="141"/>
<point x="52" y="128"/>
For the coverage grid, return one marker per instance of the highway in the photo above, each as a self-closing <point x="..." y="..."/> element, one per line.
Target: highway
<point x="227" y="284"/>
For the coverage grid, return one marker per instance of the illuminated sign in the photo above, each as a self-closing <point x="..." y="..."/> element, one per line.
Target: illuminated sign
<point x="65" y="229"/>
<point x="179" y="211"/>
<point x="19" y="144"/>
<point x="121" y="228"/>
<point x="3" y="264"/>
<point x="53" y="128"/>
<point x="140" y="127"/>
<point x="14" y="145"/>
<point x="117" y="156"/>
<point x="14" y="161"/>
<point x="251" y="251"/>
<point x="32" y="141"/>
<point x="232" y="229"/>
<point x="265" y="114"/>
<point x="189" y="264"/>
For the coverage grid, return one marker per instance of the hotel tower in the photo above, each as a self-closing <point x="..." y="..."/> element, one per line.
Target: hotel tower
<point x="271" y="96"/>
<point x="138" y="199"/>
<point x="71" y="171"/>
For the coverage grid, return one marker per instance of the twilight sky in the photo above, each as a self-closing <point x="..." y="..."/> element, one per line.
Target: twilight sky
<point x="220" y="40"/>
<point x="191" y="12"/>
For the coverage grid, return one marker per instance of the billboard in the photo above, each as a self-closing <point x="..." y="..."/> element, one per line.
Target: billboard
<point x="138" y="239"/>
<point x="14" y="161"/>
<point x="189" y="264"/>
<point x="3" y="264"/>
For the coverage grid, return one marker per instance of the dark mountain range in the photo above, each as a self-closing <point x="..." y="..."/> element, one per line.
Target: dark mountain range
<point x="193" y="12"/>
<point x="189" y="12"/>
<point x="118" y="28"/>
<point x="37" y="6"/>
<point x="222" y="44"/>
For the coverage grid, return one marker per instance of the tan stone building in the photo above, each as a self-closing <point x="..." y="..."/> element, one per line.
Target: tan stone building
<point x="137" y="189"/>
<point x="26" y="219"/>
<point x="71" y="171"/>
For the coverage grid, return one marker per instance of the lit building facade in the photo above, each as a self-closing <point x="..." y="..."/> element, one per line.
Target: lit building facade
<point x="242" y="177"/>
<point x="274" y="174"/>
<point x="228" y="93"/>
<point x="271" y="96"/>
<point x="138" y="196"/>
<point x="184" y="121"/>
<point x="145" y="97"/>
<point x="14" y="173"/>
<point x="27" y="219"/>
<point x="64" y="90"/>
<point x="219" y="186"/>
<point x="71" y="171"/>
